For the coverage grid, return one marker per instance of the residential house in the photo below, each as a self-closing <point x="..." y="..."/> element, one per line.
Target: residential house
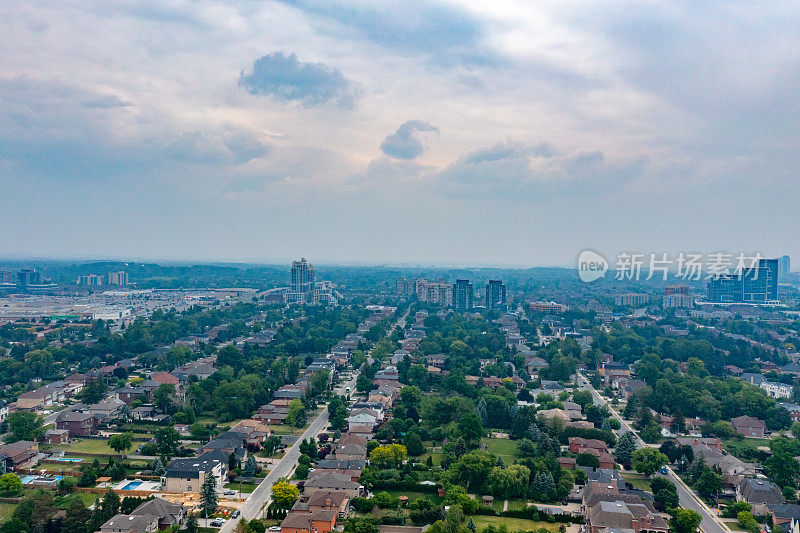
<point x="188" y="475"/>
<point x="313" y="522"/>
<point x="622" y="516"/>
<point x="78" y="423"/>
<point x="363" y="420"/>
<point x="750" y="427"/>
<point x="165" y="378"/>
<point x="169" y="514"/>
<point x="760" y="494"/>
<point x="56" y="436"/>
<point x="128" y="394"/>
<point x="329" y="500"/>
<point x="130" y="523"/>
<point x="17" y="453"/>
<point x="350" y="452"/>
<point x="783" y="514"/>
<point x="333" y="481"/>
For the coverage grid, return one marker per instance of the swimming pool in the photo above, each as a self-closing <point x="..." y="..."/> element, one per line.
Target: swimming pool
<point x="27" y="479"/>
<point x="132" y="485"/>
<point x="67" y="459"/>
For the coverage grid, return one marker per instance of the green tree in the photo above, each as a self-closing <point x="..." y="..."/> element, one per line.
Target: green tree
<point x="709" y="483"/>
<point x="747" y="521"/>
<point x="250" y="466"/>
<point x="625" y="448"/>
<point x="110" y="505"/>
<point x="648" y="460"/>
<point x="167" y="440"/>
<point x="296" y="417"/>
<point x="685" y="521"/>
<point x="470" y="427"/>
<point x="208" y="496"/>
<point x="164" y="398"/>
<point x="10" y="485"/>
<point x="510" y="482"/>
<point x="782" y="468"/>
<point x="413" y="443"/>
<point x="191" y="524"/>
<point x="24" y="425"/>
<point x="77" y="517"/>
<point x="120" y="442"/>
<point x="35" y="511"/>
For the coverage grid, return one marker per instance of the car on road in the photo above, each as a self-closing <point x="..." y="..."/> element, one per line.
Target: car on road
<point x="274" y="528"/>
<point x="663" y="470"/>
<point x="217" y="523"/>
<point x="236" y="514"/>
<point x="229" y="492"/>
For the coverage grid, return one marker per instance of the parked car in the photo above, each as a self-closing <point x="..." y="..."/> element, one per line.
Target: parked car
<point x="236" y="514"/>
<point x="216" y="523"/>
<point x="229" y="492"/>
<point x="274" y="528"/>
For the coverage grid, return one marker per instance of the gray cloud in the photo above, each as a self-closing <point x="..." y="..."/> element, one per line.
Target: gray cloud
<point x="290" y="80"/>
<point x="447" y="34"/>
<point x="402" y="144"/>
<point x="514" y="170"/>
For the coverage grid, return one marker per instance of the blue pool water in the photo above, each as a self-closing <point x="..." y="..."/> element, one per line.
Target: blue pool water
<point x="132" y="485"/>
<point x="27" y="479"/>
<point x="67" y="459"/>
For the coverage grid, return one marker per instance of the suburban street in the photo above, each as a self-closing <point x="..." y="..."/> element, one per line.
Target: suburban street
<point x="688" y="499"/>
<point x="260" y="496"/>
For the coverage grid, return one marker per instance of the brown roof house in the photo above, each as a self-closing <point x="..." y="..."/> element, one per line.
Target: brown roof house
<point x="747" y="426"/>
<point x="309" y="522"/>
<point x="18" y="453"/>
<point x="79" y="424"/>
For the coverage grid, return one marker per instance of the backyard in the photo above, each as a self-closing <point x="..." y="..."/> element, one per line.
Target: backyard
<point x="505" y="448"/>
<point x="513" y="524"/>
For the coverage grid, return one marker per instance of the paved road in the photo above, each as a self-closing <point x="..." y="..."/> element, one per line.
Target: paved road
<point x="252" y="507"/>
<point x="688" y="499"/>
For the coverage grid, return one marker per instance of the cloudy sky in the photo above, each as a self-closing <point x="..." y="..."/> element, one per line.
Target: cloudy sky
<point x="479" y="132"/>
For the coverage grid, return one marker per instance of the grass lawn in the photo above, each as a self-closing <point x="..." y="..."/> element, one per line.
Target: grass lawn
<point x="437" y="458"/>
<point x="513" y="524"/>
<point x="432" y="496"/>
<point x="505" y="448"/>
<point x="88" y="446"/>
<point x="247" y="488"/>
<point x="637" y="480"/>
<point x="6" y="510"/>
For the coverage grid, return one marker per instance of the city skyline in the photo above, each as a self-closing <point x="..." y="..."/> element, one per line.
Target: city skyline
<point x="198" y="131"/>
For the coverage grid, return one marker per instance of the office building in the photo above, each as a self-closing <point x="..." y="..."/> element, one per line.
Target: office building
<point x="30" y="280"/>
<point x="306" y="290"/>
<point x="676" y="289"/>
<point x="677" y="297"/>
<point x="548" y="307"/>
<point x="784" y="266"/>
<point x="27" y="277"/>
<point x="404" y="287"/>
<point x="751" y="285"/>
<point x="462" y="295"/>
<point x="631" y="299"/>
<point x="5" y="276"/>
<point x="435" y="292"/>
<point x="118" y="278"/>
<point x="90" y="279"/>
<point x="302" y="276"/>
<point x="495" y="295"/>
